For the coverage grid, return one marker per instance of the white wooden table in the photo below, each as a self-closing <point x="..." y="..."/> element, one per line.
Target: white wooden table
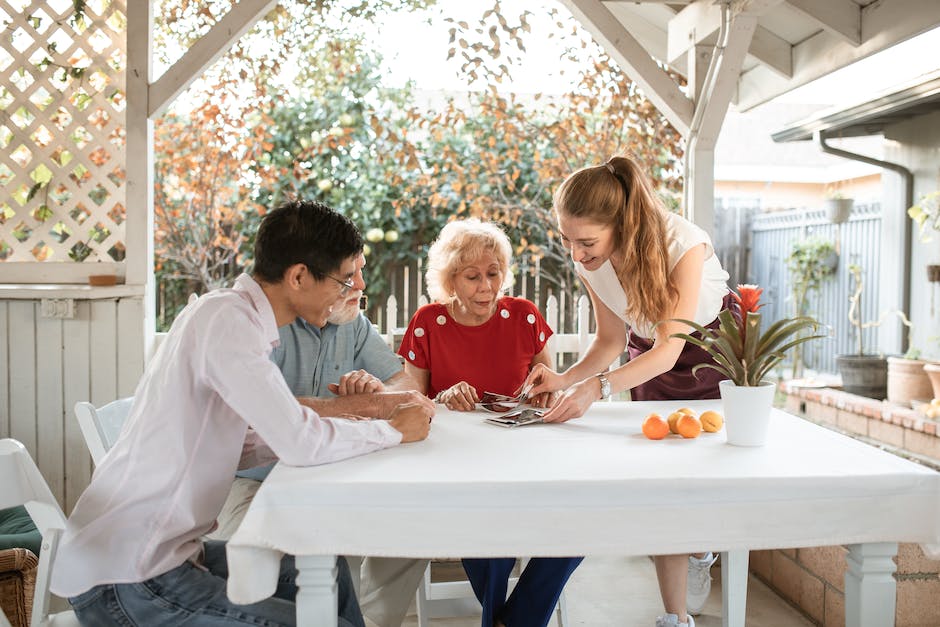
<point x="593" y="486"/>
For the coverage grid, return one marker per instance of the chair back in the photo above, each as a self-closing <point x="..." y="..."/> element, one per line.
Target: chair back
<point x="24" y="485"/>
<point x="102" y="426"/>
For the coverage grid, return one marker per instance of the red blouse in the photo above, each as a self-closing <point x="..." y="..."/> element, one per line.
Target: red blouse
<point x="492" y="357"/>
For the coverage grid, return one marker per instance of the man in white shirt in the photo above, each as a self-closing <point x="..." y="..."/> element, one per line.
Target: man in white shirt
<point x="343" y="367"/>
<point x="131" y="552"/>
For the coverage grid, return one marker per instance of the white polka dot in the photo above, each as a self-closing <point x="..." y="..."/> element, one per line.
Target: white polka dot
<point x="411" y="355"/>
<point x="542" y="336"/>
<point x="504" y="313"/>
<point x="419" y="332"/>
<point x="441" y="320"/>
<point x="531" y="318"/>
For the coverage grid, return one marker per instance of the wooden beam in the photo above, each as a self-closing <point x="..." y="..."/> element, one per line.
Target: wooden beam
<point x="691" y="26"/>
<point x="773" y="51"/>
<point x="138" y="236"/>
<point x="725" y="82"/>
<point x="842" y="18"/>
<point x="884" y="24"/>
<point x="207" y="49"/>
<point x="138" y="164"/>
<point x="660" y="88"/>
<point x="699" y="23"/>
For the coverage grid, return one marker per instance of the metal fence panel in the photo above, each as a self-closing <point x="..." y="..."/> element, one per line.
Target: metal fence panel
<point x="858" y="241"/>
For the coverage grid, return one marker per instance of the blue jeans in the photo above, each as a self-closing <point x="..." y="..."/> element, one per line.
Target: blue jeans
<point x="191" y="596"/>
<point x="535" y="596"/>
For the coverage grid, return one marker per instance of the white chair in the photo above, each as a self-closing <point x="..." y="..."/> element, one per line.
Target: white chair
<point x="23" y="485"/>
<point x="440" y="599"/>
<point x="102" y="426"/>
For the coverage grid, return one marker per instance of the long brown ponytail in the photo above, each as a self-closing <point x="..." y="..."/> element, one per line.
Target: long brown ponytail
<point x="619" y="194"/>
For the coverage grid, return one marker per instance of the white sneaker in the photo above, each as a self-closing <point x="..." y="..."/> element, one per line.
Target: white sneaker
<point x="699" y="583"/>
<point x="671" y="620"/>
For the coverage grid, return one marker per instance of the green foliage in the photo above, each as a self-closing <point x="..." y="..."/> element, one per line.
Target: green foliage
<point x="810" y="263"/>
<point x="399" y="172"/>
<point x="740" y="351"/>
<point x="926" y="213"/>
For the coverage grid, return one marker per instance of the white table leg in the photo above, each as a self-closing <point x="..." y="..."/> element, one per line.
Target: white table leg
<point x="870" y="589"/>
<point x="733" y="588"/>
<point x="317" y="604"/>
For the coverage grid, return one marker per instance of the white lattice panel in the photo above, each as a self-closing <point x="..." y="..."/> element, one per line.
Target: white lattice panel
<point x="62" y="131"/>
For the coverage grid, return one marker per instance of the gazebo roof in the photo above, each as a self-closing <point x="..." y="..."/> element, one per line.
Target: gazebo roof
<point x="909" y="100"/>
<point x="795" y="41"/>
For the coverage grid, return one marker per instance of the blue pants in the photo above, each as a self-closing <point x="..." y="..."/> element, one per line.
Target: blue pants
<point x="532" y="600"/>
<point x="195" y="597"/>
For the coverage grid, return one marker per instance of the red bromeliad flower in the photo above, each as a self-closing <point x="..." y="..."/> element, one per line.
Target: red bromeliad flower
<point x="748" y="299"/>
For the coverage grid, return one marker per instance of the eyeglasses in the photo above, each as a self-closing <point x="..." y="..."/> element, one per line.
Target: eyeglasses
<point x="348" y="284"/>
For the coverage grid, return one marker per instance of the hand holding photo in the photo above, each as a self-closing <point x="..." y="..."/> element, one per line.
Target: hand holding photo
<point x="499" y="403"/>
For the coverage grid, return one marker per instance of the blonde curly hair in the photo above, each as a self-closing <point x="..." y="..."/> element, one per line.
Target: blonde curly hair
<point x="462" y="242"/>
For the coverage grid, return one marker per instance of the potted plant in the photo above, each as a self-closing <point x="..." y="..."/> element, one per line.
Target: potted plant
<point x="810" y="263"/>
<point x="926" y="213"/>
<point x="838" y="208"/>
<point x="862" y="374"/>
<point x="746" y="356"/>
<point x="908" y="375"/>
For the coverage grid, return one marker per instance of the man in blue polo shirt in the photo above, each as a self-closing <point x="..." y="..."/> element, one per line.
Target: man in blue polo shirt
<point x="345" y="367"/>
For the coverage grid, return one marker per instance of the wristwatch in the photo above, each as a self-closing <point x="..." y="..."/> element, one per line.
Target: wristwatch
<point x="605" y="386"/>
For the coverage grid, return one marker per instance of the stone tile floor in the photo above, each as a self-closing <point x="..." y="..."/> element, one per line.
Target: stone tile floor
<point x="622" y="592"/>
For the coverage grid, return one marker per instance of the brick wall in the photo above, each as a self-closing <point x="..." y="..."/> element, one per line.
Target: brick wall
<point x="813" y="579"/>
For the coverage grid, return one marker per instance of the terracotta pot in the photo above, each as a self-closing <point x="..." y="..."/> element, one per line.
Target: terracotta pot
<point x="907" y="381"/>
<point x="933" y="373"/>
<point x="102" y="279"/>
<point x="933" y="273"/>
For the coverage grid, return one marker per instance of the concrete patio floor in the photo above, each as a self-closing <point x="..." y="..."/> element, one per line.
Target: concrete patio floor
<point x="622" y="592"/>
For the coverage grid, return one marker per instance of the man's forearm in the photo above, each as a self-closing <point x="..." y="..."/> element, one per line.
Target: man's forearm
<point x="356" y="404"/>
<point x="400" y="382"/>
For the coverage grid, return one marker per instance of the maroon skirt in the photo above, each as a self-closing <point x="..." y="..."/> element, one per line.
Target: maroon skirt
<point x="679" y="383"/>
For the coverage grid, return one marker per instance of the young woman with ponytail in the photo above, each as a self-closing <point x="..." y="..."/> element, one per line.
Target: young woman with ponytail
<point x="642" y="267"/>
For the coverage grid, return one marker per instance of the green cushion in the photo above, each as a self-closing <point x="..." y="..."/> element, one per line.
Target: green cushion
<point x="18" y="531"/>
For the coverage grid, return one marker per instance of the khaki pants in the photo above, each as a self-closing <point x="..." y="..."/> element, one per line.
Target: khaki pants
<point x="385" y="586"/>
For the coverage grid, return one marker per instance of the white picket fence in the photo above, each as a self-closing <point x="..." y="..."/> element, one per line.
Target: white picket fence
<point x="558" y="345"/>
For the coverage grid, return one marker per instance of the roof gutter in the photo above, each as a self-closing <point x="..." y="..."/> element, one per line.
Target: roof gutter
<point x="908" y="176"/>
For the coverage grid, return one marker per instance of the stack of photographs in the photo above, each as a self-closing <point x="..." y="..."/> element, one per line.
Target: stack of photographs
<point x="498" y="403"/>
<point x="518" y="417"/>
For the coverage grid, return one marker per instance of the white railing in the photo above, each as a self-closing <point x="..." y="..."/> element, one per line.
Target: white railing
<point x="559" y="344"/>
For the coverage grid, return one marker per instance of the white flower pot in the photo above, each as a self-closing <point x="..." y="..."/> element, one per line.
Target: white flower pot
<point x="838" y="210"/>
<point x="747" y="412"/>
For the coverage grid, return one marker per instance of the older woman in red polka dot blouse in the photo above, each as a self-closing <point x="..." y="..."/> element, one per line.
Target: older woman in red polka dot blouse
<point x="472" y="339"/>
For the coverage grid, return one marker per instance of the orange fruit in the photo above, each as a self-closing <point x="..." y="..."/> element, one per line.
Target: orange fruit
<point x="711" y="421"/>
<point x="673" y="419"/>
<point x="688" y="426"/>
<point x="655" y="428"/>
<point x="686" y="410"/>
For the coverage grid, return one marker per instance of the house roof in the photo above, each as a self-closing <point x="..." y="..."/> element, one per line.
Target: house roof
<point x="909" y="100"/>
<point x="795" y="41"/>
